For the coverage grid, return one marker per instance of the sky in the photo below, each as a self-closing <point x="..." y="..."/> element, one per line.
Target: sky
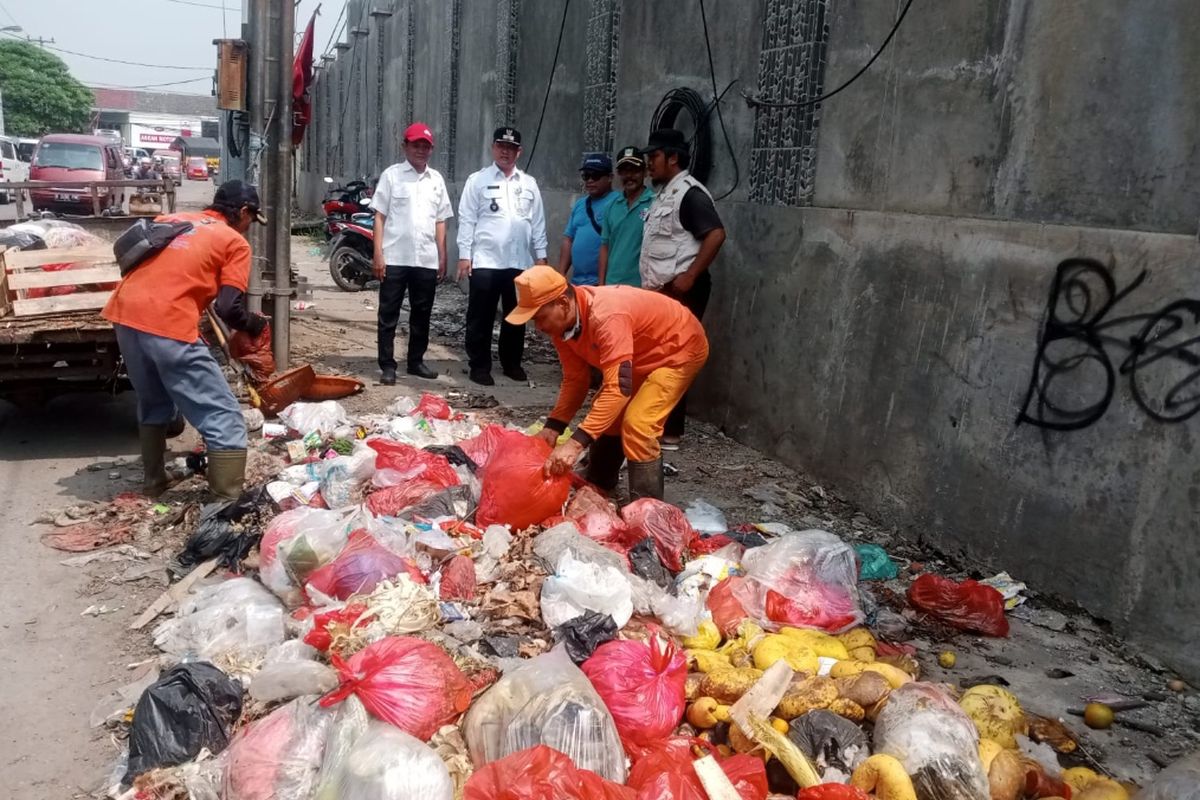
<point x="166" y="34"/>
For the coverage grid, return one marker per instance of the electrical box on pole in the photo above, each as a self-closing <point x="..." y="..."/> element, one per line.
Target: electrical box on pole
<point x="232" y="66"/>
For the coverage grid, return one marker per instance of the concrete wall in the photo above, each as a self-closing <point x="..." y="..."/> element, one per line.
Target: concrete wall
<point x="878" y="303"/>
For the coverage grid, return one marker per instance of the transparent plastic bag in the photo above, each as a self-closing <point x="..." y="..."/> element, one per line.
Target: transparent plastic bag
<point x="284" y="680"/>
<point x="807" y="580"/>
<point x="237" y="617"/>
<point x="1180" y="781"/>
<point x="547" y="701"/>
<point x="299" y="541"/>
<point x="551" y="544"/>
<point x="346" y="475"/>
<point x="665" y="524"/>
<point x="324" y="417"/>
<point x="385" y="763"/>
<point x="350" y="721"/>
<point x="577" y="587"/>
<point x="938" y="744"/>
<point x="278" y="755"/>
<point x="704" y="517"/>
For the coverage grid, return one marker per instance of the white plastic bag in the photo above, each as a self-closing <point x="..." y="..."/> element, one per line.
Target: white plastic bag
<point x="704" y="517"/>
<point x="935" y="740"/>
<point x="291" y="670"/>
<point x="577" y="587"/>
<point x="278" y="755"/>
<point x="548" y="700"/>
<point x="804" y="580"/>
<point x="346" y="474"/>
<point x="299" y="541"/>
<point x="237" y="617"/>
<point x="1180" y="781"/>
<point x="385" y="763"/>
<point x="323" y="417"/>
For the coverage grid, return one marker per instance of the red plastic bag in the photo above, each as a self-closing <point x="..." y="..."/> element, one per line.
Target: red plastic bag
<point x="432" y="406"/>
<point x="727" y="611"/>
<point x="665" y="772"/>
<point x="829" y="608"/>
<point x="832" y="791"/>
<point x="705" y="545"/>
<point x="493" y="439"/>
<point x="664" y="523"/>
<point x="408" y="682"/>
<point x="458" y="579"/>
<point x="643" y="686"/>
<point x="970" y="605"/>
<point x="412" y="462"/>
<point x="255" y="352"/>
<point x="515" y="492"/>
<point x="541" y="773"/>
<point x="341" y="620"/>
<point x="359" y="568"/>
<point x="588" y="499"/>
<point x="392" y="501"/>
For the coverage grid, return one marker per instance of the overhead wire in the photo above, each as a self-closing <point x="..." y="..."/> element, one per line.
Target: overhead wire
<point x="549" y="83"/>
<point x="8" y="14"/>
<point x="113" y="60"/>
<point x="712" y="73"/>
<point x="149" y="85"/>
<point x="336" y="31"/>
<point x="754" y="101"/>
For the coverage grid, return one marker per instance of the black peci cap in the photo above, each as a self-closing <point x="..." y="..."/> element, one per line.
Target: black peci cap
<point x="667" y="139"/>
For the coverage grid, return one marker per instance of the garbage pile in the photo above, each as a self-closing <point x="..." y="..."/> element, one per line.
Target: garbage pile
<point x="422" y="614"/>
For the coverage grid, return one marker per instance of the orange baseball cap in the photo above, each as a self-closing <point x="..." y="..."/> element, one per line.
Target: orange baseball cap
<point x="536" y="286"/>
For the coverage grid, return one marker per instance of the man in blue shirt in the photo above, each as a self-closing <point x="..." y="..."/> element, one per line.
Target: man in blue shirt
<point x="581" y="240"/>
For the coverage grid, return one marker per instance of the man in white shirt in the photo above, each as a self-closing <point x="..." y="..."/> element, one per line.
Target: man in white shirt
<point x="501" y="232"/>
<point x="411" y="207"/>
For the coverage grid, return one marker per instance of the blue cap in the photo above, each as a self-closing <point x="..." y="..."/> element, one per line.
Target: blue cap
<point x="596" y="162"/>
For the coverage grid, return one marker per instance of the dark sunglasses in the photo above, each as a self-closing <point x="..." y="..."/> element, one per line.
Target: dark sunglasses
<point x="593" y="176"/>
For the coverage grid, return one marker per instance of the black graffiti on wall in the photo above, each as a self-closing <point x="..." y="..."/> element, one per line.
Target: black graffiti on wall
<point x="1083" y="348"/>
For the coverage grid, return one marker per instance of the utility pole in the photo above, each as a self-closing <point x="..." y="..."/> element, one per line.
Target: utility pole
<point x="281" y="184"/>
<point x="259" y="36"/>
<point x="39" y="41"/>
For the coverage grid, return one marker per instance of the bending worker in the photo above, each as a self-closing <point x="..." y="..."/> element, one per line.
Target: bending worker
<point x="156" y="313"/>
<point x="649" y="349"/>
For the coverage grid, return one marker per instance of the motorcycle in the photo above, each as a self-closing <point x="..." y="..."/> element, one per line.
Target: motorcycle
<point x="351" y="235"/>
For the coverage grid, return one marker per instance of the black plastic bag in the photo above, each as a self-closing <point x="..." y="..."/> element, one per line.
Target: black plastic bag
<point x="442" y="504"/>
<point x="647" y="564"/>
<point x="223" y="530"/>
<point x="21" y="240"/>
<point x="585" y="633"/>
<point x="829" y="740"/>
<point x="190" y="707"/>
<point x="454" y="454"/>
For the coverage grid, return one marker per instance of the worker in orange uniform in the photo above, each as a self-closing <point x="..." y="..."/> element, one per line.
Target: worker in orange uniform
<point x="649" y="348"/>
<point x="156" y="312"/>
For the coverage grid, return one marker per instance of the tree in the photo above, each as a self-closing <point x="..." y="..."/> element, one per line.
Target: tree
<point x="40" y="94"/>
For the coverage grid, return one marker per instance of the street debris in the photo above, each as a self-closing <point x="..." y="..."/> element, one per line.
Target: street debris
<point x="401" y="605"/>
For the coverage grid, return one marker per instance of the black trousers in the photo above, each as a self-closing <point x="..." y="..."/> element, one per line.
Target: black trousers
<point x="489" y="287"/>
<point x="695" y="300"/>
<point x="421" y="285"/>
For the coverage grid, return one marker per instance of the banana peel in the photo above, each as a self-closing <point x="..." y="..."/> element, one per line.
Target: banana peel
<point x="884" y="775"/>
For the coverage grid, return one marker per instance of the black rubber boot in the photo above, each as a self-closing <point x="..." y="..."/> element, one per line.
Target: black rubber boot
<point x="154" y="446"/>
<point x="646" y="479"/>
<point x="605" y="457"/>
<point x="226" y="473"/>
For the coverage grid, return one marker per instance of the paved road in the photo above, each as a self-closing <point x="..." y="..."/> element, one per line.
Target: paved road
<point x="189" y="193"/>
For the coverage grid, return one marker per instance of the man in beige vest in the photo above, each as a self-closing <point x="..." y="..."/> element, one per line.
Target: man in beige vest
<point x="683" y="234"/>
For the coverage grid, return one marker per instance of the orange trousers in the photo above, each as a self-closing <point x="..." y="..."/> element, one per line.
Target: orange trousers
<point x="641" y="425"/>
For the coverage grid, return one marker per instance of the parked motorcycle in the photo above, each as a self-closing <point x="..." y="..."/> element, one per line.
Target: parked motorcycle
<point x="350" y="231"/>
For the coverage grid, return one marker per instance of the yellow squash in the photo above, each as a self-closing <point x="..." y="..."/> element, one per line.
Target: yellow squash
<point x="996" y="713"/>
<point x="820" y="643"/>
<point x="884" y="775"/>
<point x="774" y="647"/>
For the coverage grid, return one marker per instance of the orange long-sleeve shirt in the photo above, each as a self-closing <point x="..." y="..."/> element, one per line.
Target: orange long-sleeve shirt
<point x="627" y="333"/>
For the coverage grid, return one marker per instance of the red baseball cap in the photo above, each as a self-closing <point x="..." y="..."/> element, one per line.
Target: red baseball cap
<point x="418" y="131"/>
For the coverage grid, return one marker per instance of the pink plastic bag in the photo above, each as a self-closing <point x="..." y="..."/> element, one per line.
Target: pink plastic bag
<point x="433" y="406"/>
<point x="278" y="755"/>
<point x="408" y="682"/>
<point x="458" y="579"/>
<point x="665" y="772"/>
<point x="664" y="523"/>
<point x="493" y="439"/>
<point x="412" y="462"/>
<point x="359" y="568"/>
<point x="541" y="773"/>
<point x="970" y="606"/>
<point x="515" y="492"/>
<point x="392" y="501"/>
<point x="643" y="686"/>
